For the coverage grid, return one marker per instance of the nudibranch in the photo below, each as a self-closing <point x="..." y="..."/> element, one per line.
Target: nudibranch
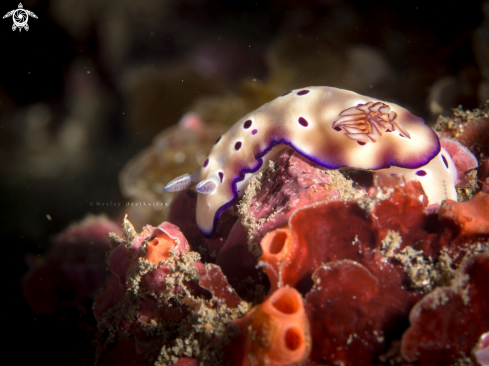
<point x="332" y="127"/>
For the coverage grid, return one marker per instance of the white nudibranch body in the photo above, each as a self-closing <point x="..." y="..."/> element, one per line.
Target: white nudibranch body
<point x="335" y="128"/>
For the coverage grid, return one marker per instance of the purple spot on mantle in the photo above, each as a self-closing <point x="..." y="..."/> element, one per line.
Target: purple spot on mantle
<point x="219" y="139"/>
<point x="283" y="95"/>
<point x="421" y="173"/>
<point x="254" y="132"/>
<point x="247" y="124"/>
<point x="206" y="162"/>
<point x="337" y="128"/>
<point x="388" y="130"/>
<point x="444" y="160"/>
<point x="237" y="145"/>
<point x="401" y="135"/>
<point x="360" y="143"/>
<point x="303" y="92"/>
<point x="303" y="121"/>
<point x="221" y="175"/>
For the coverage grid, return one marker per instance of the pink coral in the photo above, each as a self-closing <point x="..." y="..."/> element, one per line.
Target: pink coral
<point x="158" y="294"/>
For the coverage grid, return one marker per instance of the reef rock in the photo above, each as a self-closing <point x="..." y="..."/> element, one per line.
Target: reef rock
<point x="161" y="302"/>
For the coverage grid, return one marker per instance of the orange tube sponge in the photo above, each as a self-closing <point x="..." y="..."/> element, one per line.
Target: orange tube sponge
<point x="279" y="331"/>
<point x="276" y="249"/>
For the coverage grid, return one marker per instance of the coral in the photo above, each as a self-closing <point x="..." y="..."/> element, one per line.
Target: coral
<point x="352" y="270"/>
<point x="471" y="129"/>
<point x="291" y="181"/>
<point x="162" y="302"/>
<point x="368" y="267"/>
<point x="472" y="217"/>
<point x="436" y="334"/>
<point x="347" y="317"/>
<point x="73" y="270"/>
<point x="341" y="269"/>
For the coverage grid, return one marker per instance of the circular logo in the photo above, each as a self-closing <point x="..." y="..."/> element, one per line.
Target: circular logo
<point x="20" y="18"/>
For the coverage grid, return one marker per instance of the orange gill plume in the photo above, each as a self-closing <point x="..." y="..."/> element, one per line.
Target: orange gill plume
<point x="366" y="122"/>
<point x="279" y="331"/>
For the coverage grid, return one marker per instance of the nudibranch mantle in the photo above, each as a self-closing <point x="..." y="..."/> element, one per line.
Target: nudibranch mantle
<point x="334" y="128"/>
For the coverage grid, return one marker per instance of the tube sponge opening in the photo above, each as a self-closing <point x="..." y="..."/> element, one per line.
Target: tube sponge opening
<point x="286" y="302"/>
<point x="279" y="330"/>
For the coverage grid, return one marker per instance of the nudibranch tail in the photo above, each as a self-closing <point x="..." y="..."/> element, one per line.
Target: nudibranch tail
<point x="332" y="127"/>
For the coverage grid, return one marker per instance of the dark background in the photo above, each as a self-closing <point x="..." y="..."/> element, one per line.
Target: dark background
<point x="74" y="74"/>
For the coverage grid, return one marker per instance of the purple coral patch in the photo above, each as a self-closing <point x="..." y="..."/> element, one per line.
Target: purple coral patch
<point x="303" y="122"/>
<point x="237" y="145"/>
<point x="254" y="132"/>
<point x="303" y="92"/>
<point x="247" y="124"/>
<point x="421" y="173"/>
<point x="206" y="162"/>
